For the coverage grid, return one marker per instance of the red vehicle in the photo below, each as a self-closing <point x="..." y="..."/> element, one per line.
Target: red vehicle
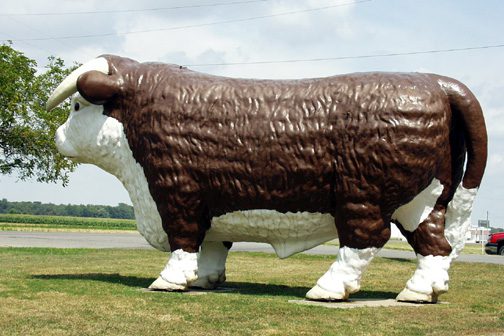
<point x="495" y="244"/>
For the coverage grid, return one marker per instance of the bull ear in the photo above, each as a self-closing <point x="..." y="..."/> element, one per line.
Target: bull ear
<point x="97" y="87"/>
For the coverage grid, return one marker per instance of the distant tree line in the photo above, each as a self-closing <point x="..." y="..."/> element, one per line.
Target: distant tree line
<point x="123" y="211"/>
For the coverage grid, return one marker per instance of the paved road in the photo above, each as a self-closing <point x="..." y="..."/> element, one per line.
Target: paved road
<point x="134" y="240"/>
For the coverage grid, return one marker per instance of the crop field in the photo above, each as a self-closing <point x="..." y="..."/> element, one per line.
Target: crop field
<point x="27" y="222"/>
<point x="100" y="292"/>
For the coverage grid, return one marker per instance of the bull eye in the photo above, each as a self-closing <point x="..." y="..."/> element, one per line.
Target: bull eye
<point x="76" y="106"/>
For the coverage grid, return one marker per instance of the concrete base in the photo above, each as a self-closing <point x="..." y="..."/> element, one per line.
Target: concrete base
<point x="359" y="303"/>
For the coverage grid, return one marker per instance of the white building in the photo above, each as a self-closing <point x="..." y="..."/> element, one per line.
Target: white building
<point x="474" y="234"/>
<point x="395" y="233"/>
<point x="477" y="234"/>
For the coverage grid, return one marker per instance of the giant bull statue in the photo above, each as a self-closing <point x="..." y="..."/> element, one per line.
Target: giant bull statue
<point x="210" y="160"/>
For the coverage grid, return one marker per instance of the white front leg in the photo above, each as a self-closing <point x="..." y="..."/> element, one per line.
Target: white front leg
<point x="429" y="280"/>
<point x="344" y="275"/>
<point x="179" y="272"/>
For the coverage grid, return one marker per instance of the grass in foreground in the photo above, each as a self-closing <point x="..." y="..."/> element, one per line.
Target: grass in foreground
<point x="91" y="292"/>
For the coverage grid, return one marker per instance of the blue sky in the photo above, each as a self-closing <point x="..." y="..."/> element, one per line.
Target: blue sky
<point x="342" y="28"/>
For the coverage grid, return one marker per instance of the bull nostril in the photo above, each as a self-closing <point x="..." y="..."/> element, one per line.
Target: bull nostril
<point x="76" y="106"/>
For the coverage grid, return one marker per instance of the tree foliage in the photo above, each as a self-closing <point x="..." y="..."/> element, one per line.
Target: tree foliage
<point x="122" y="210"/>
<point x="495" y="230"/>
<point x="27" y="130"/>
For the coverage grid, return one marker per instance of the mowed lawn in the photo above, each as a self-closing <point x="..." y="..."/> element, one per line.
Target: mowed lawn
<point x="99" y="292"/>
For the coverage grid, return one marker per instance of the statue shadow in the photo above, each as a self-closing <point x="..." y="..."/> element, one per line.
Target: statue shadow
<point x="115" y="278"/>
<point x="259" y="289"/>
<point x="243" y="288"/>
<point x="401" y="260"/>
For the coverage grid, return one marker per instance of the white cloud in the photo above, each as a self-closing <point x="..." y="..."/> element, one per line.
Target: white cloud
<point x="495" y="121"/>
<point x="495" y="163"/>
<point x="191" y="44"/>
<point x="82" y="54"/>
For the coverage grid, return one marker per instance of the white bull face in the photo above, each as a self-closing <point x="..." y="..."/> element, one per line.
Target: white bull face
<point x="89" y="136"/>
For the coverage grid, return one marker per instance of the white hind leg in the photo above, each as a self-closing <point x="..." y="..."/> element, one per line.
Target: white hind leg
<point x="458" y="219"/>
<point x="431" y="276"/>
<point x="344" y="275"/>
<point x="429" y="280"/>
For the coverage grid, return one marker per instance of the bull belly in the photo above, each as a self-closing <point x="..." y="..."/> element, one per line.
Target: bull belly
<point x="288" y="233"/>
<point x="291" y="233"/>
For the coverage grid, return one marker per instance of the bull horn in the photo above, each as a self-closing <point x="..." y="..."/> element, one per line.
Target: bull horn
<point x="69" y="85"/>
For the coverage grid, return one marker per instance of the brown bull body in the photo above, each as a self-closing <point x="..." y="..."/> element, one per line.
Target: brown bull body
<point x="356" y="146"/>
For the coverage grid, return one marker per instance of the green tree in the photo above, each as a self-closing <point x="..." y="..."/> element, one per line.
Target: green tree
<point x="27" y="130"/>
<point x="122" y="210"/>
<point x="495" y="230"/>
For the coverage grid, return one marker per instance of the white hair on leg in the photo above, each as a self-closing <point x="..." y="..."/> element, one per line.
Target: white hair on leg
<point x="178" y="273"/>
<point x="458" y="218"/>
<point x="344" y="275"/>
<point x="211" y="265"/>
<point x="429" y="280"/>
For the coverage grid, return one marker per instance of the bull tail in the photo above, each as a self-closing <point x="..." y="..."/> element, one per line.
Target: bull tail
<point x="465" y="108"/>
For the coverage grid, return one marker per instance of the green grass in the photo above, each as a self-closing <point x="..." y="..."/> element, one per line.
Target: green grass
<point x="33" y="222"/>
<point x="402" y="245"/>
<point x="395" y="244"/>
<point x="98" y="292"/>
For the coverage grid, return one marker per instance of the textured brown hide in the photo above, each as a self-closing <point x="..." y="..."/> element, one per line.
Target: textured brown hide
<point x="357" y="146"/>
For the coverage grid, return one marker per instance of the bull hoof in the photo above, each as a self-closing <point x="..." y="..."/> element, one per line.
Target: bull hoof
<point x="162" y="285"/>
<point x="407" y="295"/>
<point x="210" y="281"/>
<point x="317" y="293"/>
